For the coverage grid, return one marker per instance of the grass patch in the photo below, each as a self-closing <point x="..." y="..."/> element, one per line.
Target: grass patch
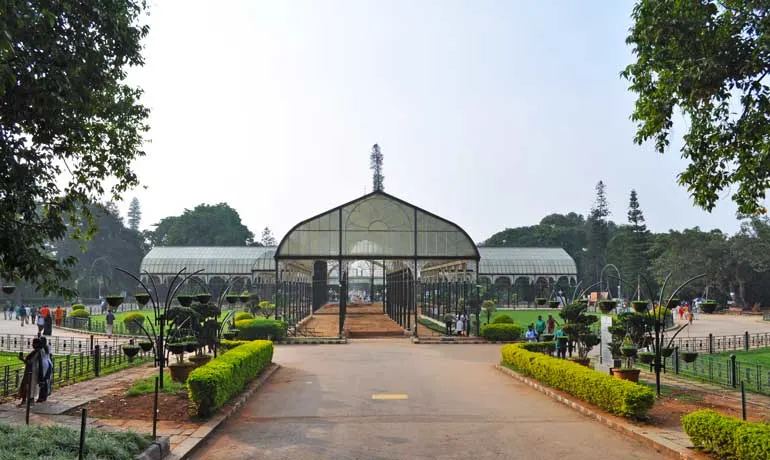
<point x="61" y="443"/>
<point x="432" y="325"/>
<point x="676" y="393"/>
<point x="526" y="317"/>
<point x="759" y="356"/>
<point x="147" y="386"/>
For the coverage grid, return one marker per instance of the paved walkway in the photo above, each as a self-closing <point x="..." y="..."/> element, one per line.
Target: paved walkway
<point x="390" y="399"/>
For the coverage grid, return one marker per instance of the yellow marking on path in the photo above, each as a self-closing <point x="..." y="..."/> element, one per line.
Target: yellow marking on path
<point x="389" y="397"/>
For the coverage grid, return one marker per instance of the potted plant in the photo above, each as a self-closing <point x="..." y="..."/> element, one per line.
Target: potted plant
<point x="203" y="297"/>
<point x="184" y="300"/>
<point x="607" y="305"/>
<point x="142" y="298"/>
<point x="145" y="345"/>
<point x="179" y="370"/>
<point x="231" y="298"/>
<point x="130" y="350"/>
<point x="689" y="356"/>
<point x="708" y="306"/>
<point x="244" y="297"/>
<point x="628" y="350"/>
<point x="554" y="303"/>
<point x="8" y="289"/>
<point x="540" y="301"/>
<point x="114" y="301"/>
<point x="640" y="306"/>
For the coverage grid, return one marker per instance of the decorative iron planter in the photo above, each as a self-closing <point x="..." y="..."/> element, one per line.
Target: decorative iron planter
<point x="689" y="356"/>
<point x="667" y="352"/>
<point x="231" y="298"/>
<point x="554" y="303"/>
<point x="640" y="306"/>
<point x="114" y="301"/>
<point x="244" y="298"/>
<point x="145" y="345"/>
<point x="606" y="306"/>
<point x="203" y="298"/>
<point x="184" y="300"/>
<point x="9" y="289"/>
<point x="142" y="298"/>
<point x="628" y="352"/>
<point x="190" y="347"/>
<point x="646" y="358"/>
<point x="540" y="301"/>
<point x="708" y="306"/>
<point x="130" y="351"/>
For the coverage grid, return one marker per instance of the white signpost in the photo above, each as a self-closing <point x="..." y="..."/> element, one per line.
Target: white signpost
<point x="606" y="354"/>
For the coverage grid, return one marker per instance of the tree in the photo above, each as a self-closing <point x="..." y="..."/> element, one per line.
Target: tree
<point x="267" y="237"/>
<point x="205" y="225"/>
<point x="134" y="215"/>
<point x="69" y="125"/>
<point x="708" y="61"/>
<point x="375" y="159"/>
<point x="636" y="255"/>
<point x="598" y="233"/>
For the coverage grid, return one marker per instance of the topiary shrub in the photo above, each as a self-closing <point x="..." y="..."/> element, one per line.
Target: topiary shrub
<point x="501" y="332"/>
<point x="617" y="396"/>
<point x="79" y="314"/>
<point x="213" y="384"/>
<point x="78" y="306"/>
<point x="727" y="437"/>
<point x="709" y="306"/>
<point x="241" y="315"/>
<point x="133" y="322"/>
<point x="502" y="319"/>
<point x="253" y="329"/>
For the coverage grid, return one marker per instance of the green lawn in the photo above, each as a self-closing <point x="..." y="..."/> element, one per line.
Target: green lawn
<point x="526" y="317"/>
<point x="147" y="386"/>
<point x="759" y="356"/>
<point x="9" y="358"/>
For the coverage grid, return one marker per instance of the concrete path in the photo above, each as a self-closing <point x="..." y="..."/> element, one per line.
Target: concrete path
<point x="437" y="401"/>
<point x="721" y="325"/>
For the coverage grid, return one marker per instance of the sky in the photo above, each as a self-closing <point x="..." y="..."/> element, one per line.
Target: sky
<point x="492" y="114"/>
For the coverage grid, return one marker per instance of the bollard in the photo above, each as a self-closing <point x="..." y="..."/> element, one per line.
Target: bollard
<point x="743" y="401"/>
<point x="746" y="340"/>
<point x="81" y="448"/>
<point x="92" y="341"/>
<point x="733" y="371"/>
<point x="155" y="412"/>
<point x="29" y="399"/>
<point x="97" y="360"/>
<point x="711" y="343"/>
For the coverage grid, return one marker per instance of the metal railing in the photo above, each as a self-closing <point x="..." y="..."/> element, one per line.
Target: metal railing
<point x="73" y="367"/>
<point x="99" y="325"/>
<point x="720" y="344"/>
<point x="59" y="345"/>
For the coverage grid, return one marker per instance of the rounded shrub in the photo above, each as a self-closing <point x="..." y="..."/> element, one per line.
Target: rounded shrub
<point x="78" y="306"/>
<point x="501" y="332"/>
<point x="133" y="321"/>
<point x="502" y="319"/>
<point x="241" y="315"/>
<point x="79" y="314"/>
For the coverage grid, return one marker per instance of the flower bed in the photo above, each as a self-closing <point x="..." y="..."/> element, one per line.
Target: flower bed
<point x="616" y="396"/>
<point x="727" y="437"/>
<point x="213" y="384"/>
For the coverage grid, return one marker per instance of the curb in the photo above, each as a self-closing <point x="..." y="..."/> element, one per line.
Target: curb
<point x="666" y="448"/>
<point x="189" y="445"/>
<point x="312" y="342"/>
<point x="458" y="342"/>
<point x="157" y="450"/>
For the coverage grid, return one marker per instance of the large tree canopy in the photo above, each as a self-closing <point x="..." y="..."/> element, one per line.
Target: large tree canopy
<point x="709" y="60"/>
<point x="68" y="124"/>
<point x="206" y="225"/>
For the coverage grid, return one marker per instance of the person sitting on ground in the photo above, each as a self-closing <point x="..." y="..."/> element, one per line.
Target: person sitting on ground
<point x="531" y="334"/>
<point x="539" y="326"/>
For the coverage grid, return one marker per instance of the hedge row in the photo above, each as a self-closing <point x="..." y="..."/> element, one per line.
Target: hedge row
<point x="255" y="329"/>
<point x="504" y="332"/>
<point x="617" y="396"/>
<point x="241" y="315"/>
<point x="230" y="344"/>
<point x="539" y="347"/>
<point x="727" y="437"/>
<point x="213" y="384"/>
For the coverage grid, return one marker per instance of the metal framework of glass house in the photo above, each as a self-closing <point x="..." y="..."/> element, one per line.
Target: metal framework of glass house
<point x="417" y="264"/>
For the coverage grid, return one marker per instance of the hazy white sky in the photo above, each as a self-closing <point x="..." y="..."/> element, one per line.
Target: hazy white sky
<point x="492" y="114"/>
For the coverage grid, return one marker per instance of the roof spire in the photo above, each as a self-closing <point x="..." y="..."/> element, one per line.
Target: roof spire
<point x="375" y="164"/>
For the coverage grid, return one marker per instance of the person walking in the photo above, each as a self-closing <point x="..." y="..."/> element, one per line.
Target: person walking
<point x="30" y="382"/>
<point x="460" y="326"/>
<point x="58" y="315"/>
<point x="109" y="321"/>
<point x="550" y="324"/>
<point x="46" y="371"/>
<point x="561" y="346"/>
<point x="539" y="326"/>
<point x="48" y="325"/>
<point x="40" y="324"/>
<point x="23" y="315"/>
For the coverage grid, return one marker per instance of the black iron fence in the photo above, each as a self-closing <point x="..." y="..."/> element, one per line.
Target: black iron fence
<point x="59" y="345"/>
<point x="73" y="367"/>
<point x="720" y="344"/>
<point x="99" y="325"/>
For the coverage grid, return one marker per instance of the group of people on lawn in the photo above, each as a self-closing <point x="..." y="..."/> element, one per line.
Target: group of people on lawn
<point x="535" y="332"/>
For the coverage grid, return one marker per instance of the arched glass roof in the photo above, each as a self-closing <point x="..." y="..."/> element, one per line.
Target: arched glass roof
<point x="213" y="260"/>
<point x="377" y="226"/>
<point x="526" y="261"/>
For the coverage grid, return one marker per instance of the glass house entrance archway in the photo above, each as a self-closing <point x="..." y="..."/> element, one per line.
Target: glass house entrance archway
<point x="395" y="238"/>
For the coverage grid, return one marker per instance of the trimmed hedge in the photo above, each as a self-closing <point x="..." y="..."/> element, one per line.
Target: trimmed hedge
<point x="254" y="329"/>
<point x="502" y="319"/>
<point x="241" y="315"/>
<point x="78" y="306"/>
<point x="213" y="384"/>
<point x="617" y="396"/>
<point x="79" y="314"/>
<point x="539" y="347"/>
<point x="501" y="332"/>
<point x="230" y="344"/>
<point x="727" y="437"/>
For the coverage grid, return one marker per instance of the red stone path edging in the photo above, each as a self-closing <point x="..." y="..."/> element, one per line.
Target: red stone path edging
<point x="652" y="437"/>
<point x="197" y="438"/>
